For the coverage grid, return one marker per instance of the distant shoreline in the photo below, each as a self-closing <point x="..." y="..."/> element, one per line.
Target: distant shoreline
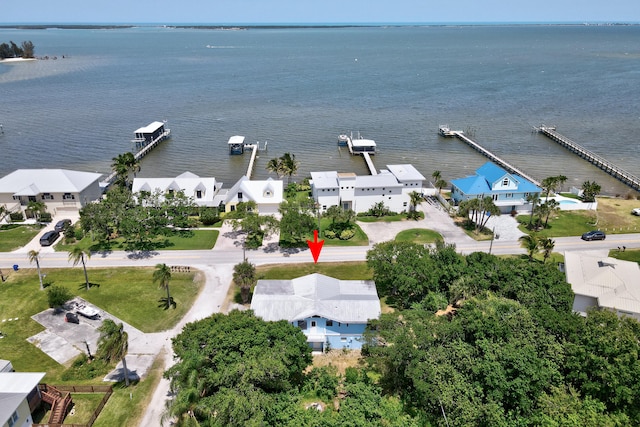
<point x="293" y="26"/>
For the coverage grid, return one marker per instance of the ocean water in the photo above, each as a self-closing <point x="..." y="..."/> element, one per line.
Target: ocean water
<point x="299" y="88"/>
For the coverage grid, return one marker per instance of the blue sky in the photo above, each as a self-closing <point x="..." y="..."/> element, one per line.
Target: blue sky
<point x="316" y="11"/>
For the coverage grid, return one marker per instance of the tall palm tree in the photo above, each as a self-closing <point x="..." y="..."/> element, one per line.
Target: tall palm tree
<point x="531" y="244"/>
<point x="3" y="211"/>
<point x="275" y="165"/>
<point x="123" y="165"/>
<point x="436" y="175"/>
<point x="34" y="256"/>
<point x="547" y="245"/>
<point x="78" y="254"/>
<point x="440" y="184"/>
<point x="37" y="208"/>
<point x="534" y="199"/>
<point x="289" y="165"/>
<point x="414" y="201"/>
<point x="113" y="344"/>
<point x="552" y="207"/>
<point x="244" y="275"/>
<point x="162" y="276"/>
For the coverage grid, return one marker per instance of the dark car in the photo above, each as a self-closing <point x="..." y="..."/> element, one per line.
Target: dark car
<point x="62" y="224"/>
<point x="71" y="318"/>
<point x="49" y="237"/>
<point x="594" y="235"/>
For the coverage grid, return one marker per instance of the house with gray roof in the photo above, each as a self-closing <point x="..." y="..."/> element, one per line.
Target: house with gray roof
<point x="58" y="189"/>
<point x="19" y="397"/>
<point x="360" y="192"/>
<point x="329" y="311"/>
<point x="600" y="281"/>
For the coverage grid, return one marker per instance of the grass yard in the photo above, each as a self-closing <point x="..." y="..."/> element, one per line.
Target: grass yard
<point x="127" y="293"/>
<point x="419" y="235"/>
<point x="628" y="255"/>
<point x="14" y="236"/>
<point x="359" y="239"/>
<point x="565" y="223"/>
<point x="178" y="240"/>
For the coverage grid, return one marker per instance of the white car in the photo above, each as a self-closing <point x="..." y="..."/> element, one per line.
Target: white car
<point x="635" y="211"/>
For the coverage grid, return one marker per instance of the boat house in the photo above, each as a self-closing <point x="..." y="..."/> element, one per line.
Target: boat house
<point x="236" y="144"/>
<point x="329" y="311"/>
<point x="153" y="132"/>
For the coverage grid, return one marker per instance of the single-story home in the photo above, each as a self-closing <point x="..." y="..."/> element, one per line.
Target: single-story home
<point x="58" y="189"/>
<point x="508" y="191"/>
<point x="330" y="312"/>
<point x="600" y="281"/>
<point x="19" y="397"/>
<point x="204" y="191"/>
<point x="361" y="192"/>
<point x="267" y="194"/>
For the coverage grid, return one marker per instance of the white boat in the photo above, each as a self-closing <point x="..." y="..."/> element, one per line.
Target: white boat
<point x="86" y="311"/>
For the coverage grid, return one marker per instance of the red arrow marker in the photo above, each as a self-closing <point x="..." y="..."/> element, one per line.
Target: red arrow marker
<point x="315" y="246"/>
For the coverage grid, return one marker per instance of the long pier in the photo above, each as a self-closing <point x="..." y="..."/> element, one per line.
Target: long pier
<point x="140" y="154"/>
<point x="254" y="153"/>
<point x="593" y="158"/>
<point x="367" y="160"/>
<point x="495" y="159"/>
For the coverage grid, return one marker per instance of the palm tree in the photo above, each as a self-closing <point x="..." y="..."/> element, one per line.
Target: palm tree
<point x="547" y="245"/>
<point x="436" y="175"/>
<point x="244" y="275"/>
<point x="113" y="344"/>
<point x="531" y="244"/>
<point x="123" y="165"/>
<point x="289" y="165"/>
<point x="552" y="207"/>
<point x="534" y="199"/>
<point x="3" y="211"/>
<point x="162" y="276"/>
<point x="414" y="200"/>
<point x="34" y="256"/>
<point x="37" y="208"/>
<point x="78" y="254"/>
<point x="275" y="165"/>
<point x="440" y="184"/>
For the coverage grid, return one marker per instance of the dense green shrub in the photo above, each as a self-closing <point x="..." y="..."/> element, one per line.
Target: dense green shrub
<point x="209" y="216"/>
<point x="57" y="296"/>
<point x="347" y="234"/>
<point x="16" y="216"/>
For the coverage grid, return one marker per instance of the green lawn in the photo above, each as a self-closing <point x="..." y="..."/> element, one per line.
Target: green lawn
<point x="178" y="240"/>
<point x="627" y="255"/>
<point x="14" y="236"/>
<point x="389" y="218"/>
<point x="566" y="223"/>
<point x="419" y="235"/>
<point x="359" y="239"/>
<point x="342" y="270"/>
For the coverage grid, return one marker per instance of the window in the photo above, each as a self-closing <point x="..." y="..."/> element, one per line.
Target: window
<point x="505" y="182"/>
<point x="343" y="339"/>
<point x="68" y="196"/>
<point x="324" y="207"/>
<point x="32" y="198"/>
<point x="313" y="323"/>
<point x="302" y="324"/>
<point x="329" y="322"/>
<point x="240" y="195"/>
<point x="47" y="196"/>
<point x="13" y="419"/>
<point x="508" y="195"/>
<point x="404" y="204"/>
<point x="198" y="194"/>
<point x="495" y="197"/>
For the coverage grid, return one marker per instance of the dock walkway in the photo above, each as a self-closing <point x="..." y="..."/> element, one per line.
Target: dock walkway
<point x="254" y="153"/>
<point x="599" y="161"/>
<point x="495" y="159"/>
<point x="367" y="160"/>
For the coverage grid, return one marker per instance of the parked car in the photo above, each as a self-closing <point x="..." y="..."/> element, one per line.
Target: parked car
<point x="594" y="235"/>
<point x="62" y="224"/>
<point x="71" y="318"/>
<point x="635" y="211"/>
<point x="49" y="237"/>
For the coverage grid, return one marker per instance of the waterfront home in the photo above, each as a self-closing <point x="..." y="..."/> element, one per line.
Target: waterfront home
<point x="19" y="397"/>
<point x="361" y="192"/>
<point x="203" y="191"/>
<point x="600" y="281"/>
<point x="59" y="189"/>
<point x="267" y="194"/>
<point x="508" y="191"/>
<point x="330" y="312"/>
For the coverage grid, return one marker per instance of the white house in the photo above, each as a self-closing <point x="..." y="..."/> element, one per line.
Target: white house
<point x="598" y="280"/>
<point x="327" y="310"/>
<point x="360" y="192"/>
<point x="59" y="189"/>
<point x="19" y="396"/>
<point x="204" y="191"/>
<point x="267" y="194"/>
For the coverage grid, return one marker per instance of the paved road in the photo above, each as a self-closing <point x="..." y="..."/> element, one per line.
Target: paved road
<point x="217" y="265"/>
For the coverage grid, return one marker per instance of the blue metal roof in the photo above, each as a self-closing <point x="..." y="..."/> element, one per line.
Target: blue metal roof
<point x="486" y="175"/>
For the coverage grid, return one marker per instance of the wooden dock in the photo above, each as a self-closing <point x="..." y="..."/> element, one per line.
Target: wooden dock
<point x="495" y="159"/>
<point x="599" y="161"/>
<point x="254" y="153"/>
<point x="140" y="154"/>
<point x="367" y="160"/>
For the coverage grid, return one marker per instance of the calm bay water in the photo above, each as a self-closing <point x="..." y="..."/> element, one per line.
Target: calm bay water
<point x="300" y="88"/>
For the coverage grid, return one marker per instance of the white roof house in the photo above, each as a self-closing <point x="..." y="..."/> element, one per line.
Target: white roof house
<point x="202" y="190"/>
<point x="267" y="194"/>
<point x="360" y="192"/>
<point x="604" y="282"/>
<point x="347" y="301"/>
<point x="17" y="389"/>
<point x="57" y="188"/>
